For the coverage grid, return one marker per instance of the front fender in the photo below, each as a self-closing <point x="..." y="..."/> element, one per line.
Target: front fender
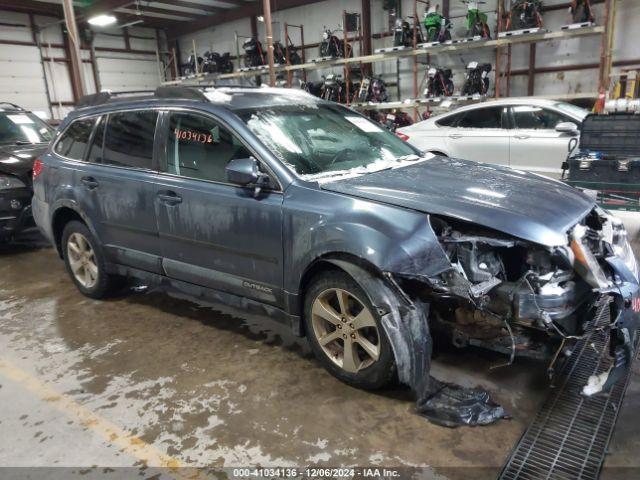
<point x="396" y="240"/>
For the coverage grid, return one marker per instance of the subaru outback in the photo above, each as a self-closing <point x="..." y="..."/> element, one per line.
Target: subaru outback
<point x="274" y="201"/>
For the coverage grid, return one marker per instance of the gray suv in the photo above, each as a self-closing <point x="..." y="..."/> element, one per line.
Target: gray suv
<point x="276" y="202"/>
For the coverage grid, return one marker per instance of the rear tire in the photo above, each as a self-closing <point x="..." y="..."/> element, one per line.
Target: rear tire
<point x="85" y="261"/>
<point x="345" y="332"/>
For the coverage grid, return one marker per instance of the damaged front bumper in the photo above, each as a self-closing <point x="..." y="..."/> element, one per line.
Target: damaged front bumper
<point x="625" y="321"/>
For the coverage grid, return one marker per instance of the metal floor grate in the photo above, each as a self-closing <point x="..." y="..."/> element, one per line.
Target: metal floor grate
<point x="568" y="438"/>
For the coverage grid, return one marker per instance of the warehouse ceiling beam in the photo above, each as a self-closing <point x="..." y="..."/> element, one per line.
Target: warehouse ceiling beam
<point x="244" y="11"/>
<point x="102" y="7"/>
<point x="193" y="5"/>
<point x="31" y="6"/>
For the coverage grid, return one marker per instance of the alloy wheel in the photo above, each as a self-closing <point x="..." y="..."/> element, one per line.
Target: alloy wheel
<point x="82" y="260"/>
<point x="345" y="329"/>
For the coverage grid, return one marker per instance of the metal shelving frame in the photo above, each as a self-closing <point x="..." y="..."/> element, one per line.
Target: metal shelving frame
<point x="406" y="53"/>
<point x="498" y="44"/>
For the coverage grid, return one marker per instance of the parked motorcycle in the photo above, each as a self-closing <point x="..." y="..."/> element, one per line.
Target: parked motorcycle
<point x="476" y="20"/>
<point x="254" y="54"/>
<point x="476" y="79"/>
<point x="372" y="89"/>
<point x="217" y="63"/>
<point x="581" y="11"/>
<point x="397" y="119"/>
<point x="403" y="33"/>
<point x="524" y="14"/>
<point x="439" y="83"/>
<point x="332" y="46"/>
<point x="294" y="56"/>
<point x="190" y="68"/>
<point x="437" y="27"/>
<point x="333" y="88"/>
<point x="314" y="88"/>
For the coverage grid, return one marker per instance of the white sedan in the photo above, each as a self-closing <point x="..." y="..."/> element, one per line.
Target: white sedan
<point x="523" y="133"/>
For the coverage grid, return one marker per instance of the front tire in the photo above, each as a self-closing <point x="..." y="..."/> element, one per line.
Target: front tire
<point x="345" y="332"/>
<point x="85" y="261"/>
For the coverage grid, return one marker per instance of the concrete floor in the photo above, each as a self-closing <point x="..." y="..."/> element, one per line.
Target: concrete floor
<point x="151" y="380"/>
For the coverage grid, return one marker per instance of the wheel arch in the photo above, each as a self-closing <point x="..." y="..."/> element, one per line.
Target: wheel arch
<point x="332" y="261"/>
<point x="65" y="212"/>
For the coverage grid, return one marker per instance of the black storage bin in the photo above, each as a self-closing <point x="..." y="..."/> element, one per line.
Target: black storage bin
<point x="609" y="150"/>
<point x="604" y="170"/>
<point x="617" y="134"/>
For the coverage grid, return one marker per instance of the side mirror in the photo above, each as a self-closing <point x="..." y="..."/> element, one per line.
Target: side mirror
<point x="243" y="171"/>
<point x="246" y="172"/>
<point x="569" y="128"/>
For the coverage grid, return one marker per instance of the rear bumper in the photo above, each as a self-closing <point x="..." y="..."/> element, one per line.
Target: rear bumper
<point x="15" y="212"/>
<point x="42" y="218"/>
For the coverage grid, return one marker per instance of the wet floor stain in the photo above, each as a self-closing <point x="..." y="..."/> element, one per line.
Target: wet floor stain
<point x="211" y="389"/>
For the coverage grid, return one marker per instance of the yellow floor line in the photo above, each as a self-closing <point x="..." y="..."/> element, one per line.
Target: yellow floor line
<point x="113" y="434"/>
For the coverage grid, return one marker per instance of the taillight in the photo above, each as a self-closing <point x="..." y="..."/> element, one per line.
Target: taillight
<point x="402" y="136"/>
<point x="37" y="168"/>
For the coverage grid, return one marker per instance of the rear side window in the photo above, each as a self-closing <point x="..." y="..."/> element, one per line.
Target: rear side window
<point x="482" y="118"/>
<point x="129" y="139"/>
<point x="74" y="140"/>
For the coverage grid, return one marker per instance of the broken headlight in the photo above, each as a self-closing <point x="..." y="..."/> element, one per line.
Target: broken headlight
<point x="616" y="234"/>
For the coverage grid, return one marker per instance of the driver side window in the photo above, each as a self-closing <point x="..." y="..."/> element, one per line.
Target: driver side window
<point x="199" y="147"/>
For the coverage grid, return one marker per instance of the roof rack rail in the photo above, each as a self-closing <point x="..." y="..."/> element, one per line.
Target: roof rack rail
<point x="178" y="92"/>
<point x="12" y="106"/>
<point x="103" y="97"/>
<point x="182" y="92"/>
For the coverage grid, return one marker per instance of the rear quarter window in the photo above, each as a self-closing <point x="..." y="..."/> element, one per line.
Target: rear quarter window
<point x="74" y="140"/>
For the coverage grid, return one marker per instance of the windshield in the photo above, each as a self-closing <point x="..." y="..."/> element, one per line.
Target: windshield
<point x="321" y="140"/>
<point x="23" y="128"/>
<point x="572" y="110"/>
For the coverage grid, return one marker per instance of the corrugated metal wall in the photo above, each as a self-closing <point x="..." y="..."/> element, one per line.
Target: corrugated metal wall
<point x="22" y="73"/>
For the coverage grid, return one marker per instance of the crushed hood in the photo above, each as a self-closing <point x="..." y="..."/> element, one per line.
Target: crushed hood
<point x="18" y="159"/>
<point x="521" y="204"/>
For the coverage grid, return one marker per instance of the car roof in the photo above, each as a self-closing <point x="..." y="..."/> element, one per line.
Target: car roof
<point x="229" y="97"/>
<point x="540" y="102"/>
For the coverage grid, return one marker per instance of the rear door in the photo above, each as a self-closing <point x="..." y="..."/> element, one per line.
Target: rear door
<point x="534" y="144"/>
<point x="480" y="134"/>
<point x="213" y="233"/>
<point x="117" y="187"/>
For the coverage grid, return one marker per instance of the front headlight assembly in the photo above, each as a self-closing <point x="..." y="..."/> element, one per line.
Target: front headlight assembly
<point x="616" y="234"/>
<point x="7" y="182"/>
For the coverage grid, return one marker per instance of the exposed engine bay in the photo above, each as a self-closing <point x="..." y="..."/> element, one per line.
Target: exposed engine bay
<point x="523" y="299"/>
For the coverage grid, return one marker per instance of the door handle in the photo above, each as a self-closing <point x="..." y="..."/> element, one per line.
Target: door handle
<point x="455" y="135"/>
<point x="170" y="198"/>
<point x="89" y="182"/>
<point x="522" y="137"/>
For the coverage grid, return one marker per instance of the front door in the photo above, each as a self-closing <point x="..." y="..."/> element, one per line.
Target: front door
<point x="480" y="134"/>
<point x="213" y="233"/>
<point x="535" y="145"/>
<point x="118" y="185"/>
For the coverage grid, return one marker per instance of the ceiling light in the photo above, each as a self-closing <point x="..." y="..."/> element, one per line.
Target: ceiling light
<point x="260" y="18"/>
<point x="102" y="20"/>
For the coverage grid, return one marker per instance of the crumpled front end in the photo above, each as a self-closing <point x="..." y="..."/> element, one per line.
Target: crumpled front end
<point x="524" y="299"/>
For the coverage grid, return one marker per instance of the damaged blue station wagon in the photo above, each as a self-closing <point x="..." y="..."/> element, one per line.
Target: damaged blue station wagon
<point x="274" y="201"/>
